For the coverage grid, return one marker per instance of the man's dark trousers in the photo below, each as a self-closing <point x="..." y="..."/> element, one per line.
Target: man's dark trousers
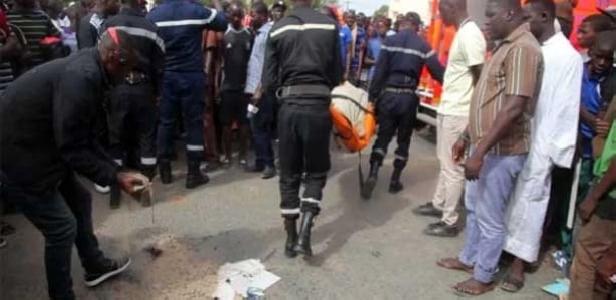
<point x="397" y="113"/>
<point x="262" y="124"/>
<point x="133" y="113"/>
<point x="182" y="92"/>
<point x="304" y="133"/>
<point x="64" y="217"/>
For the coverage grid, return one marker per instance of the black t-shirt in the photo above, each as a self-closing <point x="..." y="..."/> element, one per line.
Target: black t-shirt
<point x="237" y="47"/>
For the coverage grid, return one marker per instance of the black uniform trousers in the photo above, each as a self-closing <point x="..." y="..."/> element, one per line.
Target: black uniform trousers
<point x="397" y="115"/>
<point x="64" y="217"/>
<point x="304" y="134"/>
<point x="133" y="113"/>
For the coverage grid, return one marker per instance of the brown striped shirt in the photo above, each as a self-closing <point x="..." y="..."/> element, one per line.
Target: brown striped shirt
<point x="515" y="69"/>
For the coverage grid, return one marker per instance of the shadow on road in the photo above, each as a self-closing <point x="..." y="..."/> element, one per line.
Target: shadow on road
<point x="357" y="215"/>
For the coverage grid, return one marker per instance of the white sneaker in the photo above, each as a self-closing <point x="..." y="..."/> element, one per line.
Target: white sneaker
<point x="102" y="189"/>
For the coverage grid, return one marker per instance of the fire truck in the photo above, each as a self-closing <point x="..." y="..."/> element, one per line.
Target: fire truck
<point x="440" y="38"/>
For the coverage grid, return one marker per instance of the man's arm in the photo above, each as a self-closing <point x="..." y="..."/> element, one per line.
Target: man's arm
<point x="381" y="71"/>
<point x="216" y="17"/>
<point x="607" y="182"/>
<point x="270" y="80"/>
<point x="436" y="69"/>
<point x="74" y="115"/>
<point x="157" y="65"/>
<point x="11" y="49"/>
<point x="337" y="69"/>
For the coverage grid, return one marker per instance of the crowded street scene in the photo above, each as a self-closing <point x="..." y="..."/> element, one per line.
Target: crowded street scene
<point x="308" y="149"/>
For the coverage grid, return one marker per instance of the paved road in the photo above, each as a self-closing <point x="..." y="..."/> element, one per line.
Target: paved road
<point x="364" y="250"/>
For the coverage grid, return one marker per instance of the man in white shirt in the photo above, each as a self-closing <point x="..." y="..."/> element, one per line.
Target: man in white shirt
<point x="554" y="135"/>
<point x="466" y="56"/>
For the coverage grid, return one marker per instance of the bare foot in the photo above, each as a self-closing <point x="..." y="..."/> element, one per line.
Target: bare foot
<point x="473" y="287"/>
<point x="453" y="263"/>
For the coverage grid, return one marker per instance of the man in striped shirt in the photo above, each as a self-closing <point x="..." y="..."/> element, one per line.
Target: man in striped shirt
<point x="35" y="25"/>
<point x="499" y="138"/>
<point x="9" y="49"/>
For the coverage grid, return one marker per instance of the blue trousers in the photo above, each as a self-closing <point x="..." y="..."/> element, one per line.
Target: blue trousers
<point x="486" y="205"/>
<point x="183" y="92"/>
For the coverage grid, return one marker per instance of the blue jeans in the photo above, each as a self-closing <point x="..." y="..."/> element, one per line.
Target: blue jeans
<point x="183" y="92"/>
<point x="261" y="125"/>
<point x="486" y="205"/>
<point x="64" y="217"/>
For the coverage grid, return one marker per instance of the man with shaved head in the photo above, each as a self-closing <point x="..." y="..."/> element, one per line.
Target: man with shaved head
<point x="499" y="139"/>
<point x="553" y="140"/>
<point x="466" y="56"/>
<point x="48" y="120"/>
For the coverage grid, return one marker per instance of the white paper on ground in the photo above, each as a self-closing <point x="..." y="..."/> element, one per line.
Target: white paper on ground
<point x="242" y="275"/>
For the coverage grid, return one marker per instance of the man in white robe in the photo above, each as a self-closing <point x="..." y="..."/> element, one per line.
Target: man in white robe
<point x="554" y="135"/>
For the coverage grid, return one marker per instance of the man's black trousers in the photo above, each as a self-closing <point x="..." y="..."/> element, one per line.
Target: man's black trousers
<point x="304" y="134"/>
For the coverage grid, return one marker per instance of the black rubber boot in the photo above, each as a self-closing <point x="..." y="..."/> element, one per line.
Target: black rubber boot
<point x="368" y="188"/>
<point x="115" y="195"/>
<point x="395" y="185"/>
<point x="149" y="171"/>
<point x="195" y="178"/>
<point x="303" y="245"/>
<point x="165" y="171"/>
<point x="290" y="226"/>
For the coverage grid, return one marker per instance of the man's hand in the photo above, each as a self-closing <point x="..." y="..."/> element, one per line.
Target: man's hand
<point x="602" y="128"/>
<point x="458" y="150"/>
<point x="472" y="167"/>
<point x="587" y="208"/>
<point x="132" y="183"/>
<point x="606" y="268"/>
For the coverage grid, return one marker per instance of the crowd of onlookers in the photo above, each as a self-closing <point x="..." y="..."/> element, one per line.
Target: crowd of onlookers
<point x="236" y="110"/>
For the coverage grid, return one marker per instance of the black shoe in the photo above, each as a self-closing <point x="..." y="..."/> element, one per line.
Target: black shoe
<point x="427" y="210"/>
<point x="165" y="172"/>
<point x="437" y="224"/>
<point x="395" y="187"/>
<point x="149" y="171"/>
<point x="268" y="173"/>
<point x="255" y="169"/>
<point x="115" y="195"/>
<point x="290" y="226"/>
<point x="107" y="269"/>
<point x="303" y="245"/>
<point x="195" y="178"/>
<point x="442" y="230"/>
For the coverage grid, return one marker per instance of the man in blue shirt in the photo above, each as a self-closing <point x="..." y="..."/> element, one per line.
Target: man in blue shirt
<point x="261" y="109"/>
<point x="181" y="24"/>
<point x="595" y="73"/>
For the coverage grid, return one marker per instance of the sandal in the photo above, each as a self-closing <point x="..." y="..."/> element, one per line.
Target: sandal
<point x="511" y="285"/>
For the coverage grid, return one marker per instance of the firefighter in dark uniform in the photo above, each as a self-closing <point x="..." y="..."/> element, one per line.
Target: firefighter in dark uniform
<point x="303" y="64"/>
<point x="48" y="123"/>
<point x="132" y="110"/>
<point x="181" y="24"/>
<point x="396" y="77"/>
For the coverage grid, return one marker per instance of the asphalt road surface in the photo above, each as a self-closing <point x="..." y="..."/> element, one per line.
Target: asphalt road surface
<point x="363" y="249"/>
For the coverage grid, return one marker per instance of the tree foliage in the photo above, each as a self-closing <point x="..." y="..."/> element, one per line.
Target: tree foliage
<point x="382" y="11"/>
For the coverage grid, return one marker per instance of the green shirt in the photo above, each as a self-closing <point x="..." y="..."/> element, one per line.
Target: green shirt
<point x="607" y="206"/>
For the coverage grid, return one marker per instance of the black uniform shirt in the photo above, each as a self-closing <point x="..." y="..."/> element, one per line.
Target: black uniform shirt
<point x="237" y="47"/>
<point x="149" y="46"/>
<point x="48" y="124"/>
<point x="400" y="62"/>
<point x="303" y="48"/>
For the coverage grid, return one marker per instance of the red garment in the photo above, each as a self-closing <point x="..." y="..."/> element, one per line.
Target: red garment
<point x="4" y="25"/>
